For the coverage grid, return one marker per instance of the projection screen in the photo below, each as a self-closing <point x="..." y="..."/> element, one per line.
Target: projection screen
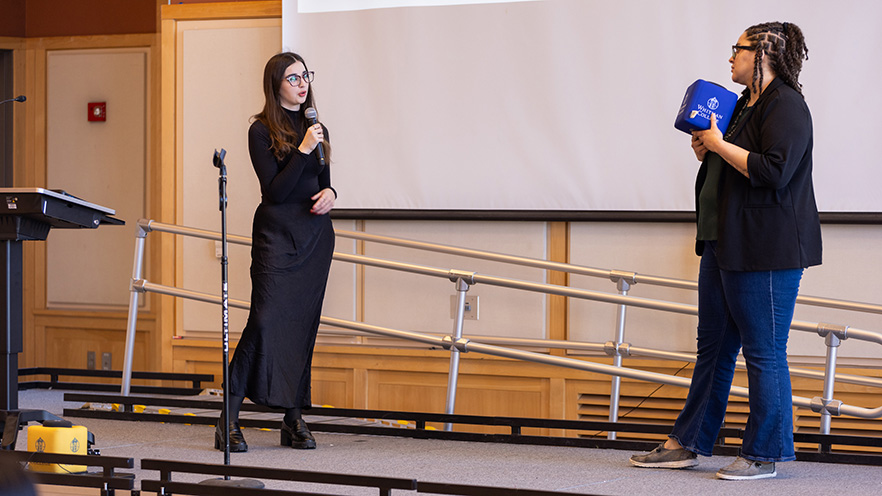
<point x="564" y="104"/>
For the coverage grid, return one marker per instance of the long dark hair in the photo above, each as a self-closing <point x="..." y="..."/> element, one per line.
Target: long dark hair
<point x="285" y="136"/>
<point x="784" y="44"/>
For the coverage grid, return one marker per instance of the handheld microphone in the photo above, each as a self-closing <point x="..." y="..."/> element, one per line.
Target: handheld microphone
<point x="312" y="116"/>
<point x="19" y="98"/>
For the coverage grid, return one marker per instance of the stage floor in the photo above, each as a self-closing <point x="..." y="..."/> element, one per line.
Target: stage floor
<point x="550" y="468"/>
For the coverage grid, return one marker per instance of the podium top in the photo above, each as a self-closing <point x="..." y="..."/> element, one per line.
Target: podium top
<point x="29" y="213"/>
<point x="58" y="194"/>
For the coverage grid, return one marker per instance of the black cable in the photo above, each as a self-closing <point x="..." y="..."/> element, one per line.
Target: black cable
<point x="644" y="399"/>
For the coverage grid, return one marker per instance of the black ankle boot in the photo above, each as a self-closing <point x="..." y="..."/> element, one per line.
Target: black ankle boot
<point x="237" y="440"/>
<point x="297" y="436"/>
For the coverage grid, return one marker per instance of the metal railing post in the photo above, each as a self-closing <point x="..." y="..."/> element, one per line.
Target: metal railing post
<point x="143" y="227"/>
<point x="623" y="285"/>
<point x="462" y="281"/>
<point x="833" y="336"/>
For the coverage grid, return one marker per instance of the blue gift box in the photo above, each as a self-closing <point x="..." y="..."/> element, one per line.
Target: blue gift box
<point x="702" y="98"/>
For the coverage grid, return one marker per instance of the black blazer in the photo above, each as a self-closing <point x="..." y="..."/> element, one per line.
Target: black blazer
<point x="770" y="220"/>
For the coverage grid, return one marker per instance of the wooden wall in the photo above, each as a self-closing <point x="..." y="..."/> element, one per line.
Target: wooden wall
<point x="59" y="335"/>
<point x="48" y="18"/>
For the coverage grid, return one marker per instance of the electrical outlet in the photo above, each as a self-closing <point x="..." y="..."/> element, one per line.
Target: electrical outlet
<point x="105" y="361"/>
<point x="90" y="360"/>
<point x="471" y="307"/>
<point x="218" y="250"/>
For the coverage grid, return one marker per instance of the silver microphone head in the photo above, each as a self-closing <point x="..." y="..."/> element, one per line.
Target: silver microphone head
<point x="310" y="114"/>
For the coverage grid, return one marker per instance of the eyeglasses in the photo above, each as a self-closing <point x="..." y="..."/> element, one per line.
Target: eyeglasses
<point x="294" y="79"/>
<point x="736" y="48"/>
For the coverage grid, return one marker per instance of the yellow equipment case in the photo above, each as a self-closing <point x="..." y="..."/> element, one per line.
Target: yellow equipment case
<point x="58" y="437"/>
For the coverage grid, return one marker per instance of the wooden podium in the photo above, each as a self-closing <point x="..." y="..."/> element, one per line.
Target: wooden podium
<point x="29" y="214"/>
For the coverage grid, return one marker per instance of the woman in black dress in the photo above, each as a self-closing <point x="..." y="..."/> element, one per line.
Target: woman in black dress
<point x="292" y="246"/>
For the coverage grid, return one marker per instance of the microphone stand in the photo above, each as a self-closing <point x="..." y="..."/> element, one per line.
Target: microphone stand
<point x="218" y="162"/>
<point x="225" y="308"/>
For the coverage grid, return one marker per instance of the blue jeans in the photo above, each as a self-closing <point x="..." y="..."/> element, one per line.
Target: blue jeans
<point x="752" y="310"/>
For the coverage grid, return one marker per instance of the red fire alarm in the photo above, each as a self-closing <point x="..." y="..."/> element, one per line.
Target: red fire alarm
<point x="97" y="111"/>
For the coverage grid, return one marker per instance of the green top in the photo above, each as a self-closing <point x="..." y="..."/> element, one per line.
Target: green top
<point x="708" y="198"/>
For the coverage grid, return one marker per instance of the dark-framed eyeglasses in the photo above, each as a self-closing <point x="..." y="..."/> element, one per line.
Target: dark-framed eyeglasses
<point x="294" y="79"/>
<point x="737" y="48"/>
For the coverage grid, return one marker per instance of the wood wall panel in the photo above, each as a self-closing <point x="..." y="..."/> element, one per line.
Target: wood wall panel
<point x="334" y="387"/>
<point x="63" y="341"/>
<point x="476" y="395"/>
<point x="558" y="251"/>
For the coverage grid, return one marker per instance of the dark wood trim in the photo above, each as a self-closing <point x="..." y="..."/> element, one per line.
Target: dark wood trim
<point x="7" y="124"/>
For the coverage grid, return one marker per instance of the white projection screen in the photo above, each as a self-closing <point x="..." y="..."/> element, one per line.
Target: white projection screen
<point x="564" y="105"/>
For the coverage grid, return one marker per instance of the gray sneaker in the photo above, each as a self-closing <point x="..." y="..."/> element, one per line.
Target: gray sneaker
<point x="666" y="458"/>
<point x="744" y="469"/>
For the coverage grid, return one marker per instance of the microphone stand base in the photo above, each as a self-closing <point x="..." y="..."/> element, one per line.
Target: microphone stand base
<point x="243" y="483"/>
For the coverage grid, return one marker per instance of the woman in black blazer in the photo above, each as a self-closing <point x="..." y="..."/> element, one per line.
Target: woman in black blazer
<point x="758" y="229"/>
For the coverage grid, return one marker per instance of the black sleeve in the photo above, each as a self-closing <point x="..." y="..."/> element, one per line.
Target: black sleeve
<point x="276" y="182"/>
<point x="785" y="136"/>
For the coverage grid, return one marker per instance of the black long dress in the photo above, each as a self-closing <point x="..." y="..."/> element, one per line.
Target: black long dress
<point x="290" y="257"/>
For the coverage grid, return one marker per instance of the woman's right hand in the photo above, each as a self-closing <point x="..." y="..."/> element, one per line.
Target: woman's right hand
<point x="314" y="135"/>
<point x="698" y="147"/>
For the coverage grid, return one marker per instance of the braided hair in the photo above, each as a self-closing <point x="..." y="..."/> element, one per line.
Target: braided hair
<point x="784" y="44"/>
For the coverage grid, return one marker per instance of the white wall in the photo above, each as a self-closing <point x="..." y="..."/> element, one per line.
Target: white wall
<point x="571" y="101"/>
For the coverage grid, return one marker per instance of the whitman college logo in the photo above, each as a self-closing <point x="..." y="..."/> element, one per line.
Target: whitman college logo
<point x="75" y="445"/>
<point x="713" y="103"/>
<point x="40" y="445"/>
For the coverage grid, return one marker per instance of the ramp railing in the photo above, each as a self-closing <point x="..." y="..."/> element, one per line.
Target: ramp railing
<point x="457" y="342"/>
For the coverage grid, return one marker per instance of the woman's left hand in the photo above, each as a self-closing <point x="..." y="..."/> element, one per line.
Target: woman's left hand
<point x="324" y="201"/>
<point x="711" y="138"/>
<point x="698" y="147"/>
<point x="713" y="141"/>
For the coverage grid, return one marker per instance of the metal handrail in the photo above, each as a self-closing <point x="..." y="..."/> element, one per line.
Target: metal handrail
<point x="583" y="270"/>
<point x="833" y="334"/>
<point x="146" y="286"/>
<point x="469" y="345"/>
<point x="512" y="259"/>
<point x="609" y="348"/>
<point x="545" y="288"/>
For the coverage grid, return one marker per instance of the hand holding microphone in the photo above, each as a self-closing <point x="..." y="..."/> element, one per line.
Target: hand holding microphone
<point x="315" y="134"/>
